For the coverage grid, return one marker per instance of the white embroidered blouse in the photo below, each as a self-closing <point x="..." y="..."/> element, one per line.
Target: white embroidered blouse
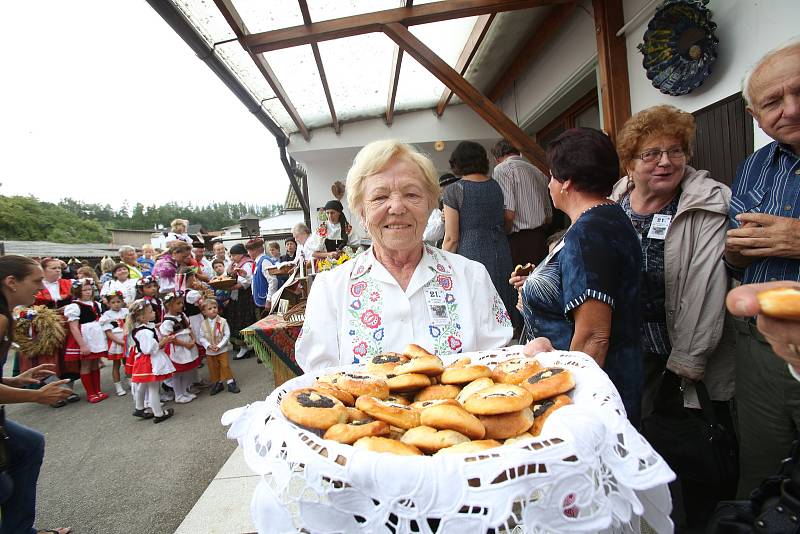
<point x="359" y="310"/>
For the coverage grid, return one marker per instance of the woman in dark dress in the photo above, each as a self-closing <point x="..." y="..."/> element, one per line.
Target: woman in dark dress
<point x="240" y="311"/>
<point x="473" y="217"/>
<point x="585" y="295"/>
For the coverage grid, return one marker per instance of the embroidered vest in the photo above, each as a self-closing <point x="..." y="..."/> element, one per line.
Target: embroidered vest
<point x="260" y="284"/>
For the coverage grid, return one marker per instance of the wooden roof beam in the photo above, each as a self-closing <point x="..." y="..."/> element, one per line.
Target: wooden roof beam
<point x="236" y="23"/>
<point x="372" y="22"/>
<point x="471" y="96"/>
<point x="540" y="37"/>
<point x="613" y="66"/>
<point x="474" y="41"/>
<point x="394" y="77"/>
<point x="320" y="68"/>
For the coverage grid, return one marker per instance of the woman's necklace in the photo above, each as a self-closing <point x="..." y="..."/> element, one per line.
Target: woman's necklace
<point x="603" y="203"/>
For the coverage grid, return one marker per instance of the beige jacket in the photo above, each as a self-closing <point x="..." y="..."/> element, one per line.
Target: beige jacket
<point x="696" y="283"/>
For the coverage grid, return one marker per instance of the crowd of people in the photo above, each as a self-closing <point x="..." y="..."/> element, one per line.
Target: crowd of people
<point x="638" y="280"/>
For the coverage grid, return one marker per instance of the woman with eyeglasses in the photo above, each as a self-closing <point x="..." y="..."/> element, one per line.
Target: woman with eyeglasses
<point x="680" y="215"/>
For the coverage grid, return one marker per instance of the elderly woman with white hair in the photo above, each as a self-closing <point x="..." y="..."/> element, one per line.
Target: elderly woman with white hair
<point x="400" y="290"/>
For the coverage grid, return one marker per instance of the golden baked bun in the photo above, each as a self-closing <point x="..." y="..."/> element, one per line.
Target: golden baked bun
<point x="500" y="398"/>
<point x="349" y="433"/>
<point x="423" y="405"/>
<point x="407" y="382"/>
<point x="379" y="444"/>
<point x="470" y="447"/>
<point x="439" y="391"/>
<point x="549" y="383"/>
<point x="473" y="387"/>
<point x="428" y="365"/>
<point x="783" y="303"/>
<point x="429" y="440"/>
<point x="515" y="370"/>
<point x="330" y="389"/>
<point x="415" y="351"/>
<point x="395" y="414"/>
<point x="522" y="270"/>
<point x="312" y="409"/>
<point x="358" y="385"/>
<point x="452" y="417"/>
<point x="507" y="425"/>
<point x="463" y="374"/>
<point x="383" y="364"/>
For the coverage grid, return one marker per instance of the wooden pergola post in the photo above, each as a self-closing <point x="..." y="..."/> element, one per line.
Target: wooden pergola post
<point x="613" y="62"/>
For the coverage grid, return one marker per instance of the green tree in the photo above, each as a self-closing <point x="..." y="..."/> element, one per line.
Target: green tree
<point x="27" y="219"/>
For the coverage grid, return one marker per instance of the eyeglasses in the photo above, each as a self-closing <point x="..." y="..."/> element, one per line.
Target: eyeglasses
<point x="651" y="156"/>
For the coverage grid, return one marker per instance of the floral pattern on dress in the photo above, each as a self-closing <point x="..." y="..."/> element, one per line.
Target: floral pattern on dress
<point x="499" y="312"/>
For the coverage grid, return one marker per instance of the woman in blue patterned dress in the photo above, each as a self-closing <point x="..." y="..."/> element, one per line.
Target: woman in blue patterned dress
<point x="585" y="295"/>
<point x="473" y="217"/>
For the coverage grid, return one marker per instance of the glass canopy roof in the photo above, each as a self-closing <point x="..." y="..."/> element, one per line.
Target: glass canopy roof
<point x="357" y="68"/>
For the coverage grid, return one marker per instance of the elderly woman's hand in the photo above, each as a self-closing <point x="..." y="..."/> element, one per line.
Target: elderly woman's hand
<point x="537" y="345"/>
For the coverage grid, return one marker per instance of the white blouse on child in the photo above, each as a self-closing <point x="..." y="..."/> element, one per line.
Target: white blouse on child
<point x="177" y="354"/>
<point x="92" y="333"/>
<point x="148" y="344"/>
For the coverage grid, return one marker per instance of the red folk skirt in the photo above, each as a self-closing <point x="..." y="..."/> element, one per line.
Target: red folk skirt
<point x="72" y="352"/>
<point x="142" y="369"/>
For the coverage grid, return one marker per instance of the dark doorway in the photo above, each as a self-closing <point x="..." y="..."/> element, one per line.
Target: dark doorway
<point x="724" y="138"/>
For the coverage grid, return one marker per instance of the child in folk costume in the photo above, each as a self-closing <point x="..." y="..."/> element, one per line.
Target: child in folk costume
<point x="113" y="322"/>
<point x="214" y="337"/>
<point x="182" y="350"/>
<point x="121" y="282"/>
<point x="151" y="365"/>
<point x="147" y="289"/>
<point x="87" y="342"/>
<point x="177" y="232"/>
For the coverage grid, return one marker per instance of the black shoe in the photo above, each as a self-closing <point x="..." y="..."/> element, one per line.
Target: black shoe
<point x="216" y="388"/>
<point x="233" y="388"/>
<point x="167" y="414"/>
<point x="142" y="414"/>
<point x="166" y="387"/>
<point x="59" y="404"/>
<point x="73" y="397"/>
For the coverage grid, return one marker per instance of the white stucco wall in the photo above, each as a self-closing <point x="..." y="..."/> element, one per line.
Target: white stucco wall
<point x="746" y="30"/>
<point x="327" y="156"/>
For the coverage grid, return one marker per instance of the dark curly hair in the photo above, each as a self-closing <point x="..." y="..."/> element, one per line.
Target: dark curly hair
<point x="587" y="157"/>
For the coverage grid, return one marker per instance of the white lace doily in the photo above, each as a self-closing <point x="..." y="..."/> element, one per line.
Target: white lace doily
<point x="588" y="471"/>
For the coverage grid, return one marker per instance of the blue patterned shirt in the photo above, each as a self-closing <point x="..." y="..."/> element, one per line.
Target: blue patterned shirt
<point x="768" y="181"/>
<point x="600" y="259"/>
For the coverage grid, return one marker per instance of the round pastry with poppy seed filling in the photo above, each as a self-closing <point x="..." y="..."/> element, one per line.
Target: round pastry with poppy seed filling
<point x="473" y="387"/>
<point x="500" y="398"/>
<point x="464" y="374"/>
<point x="358" y="385"/>
<point x="330" y="389"/>
<point x="310" y="408"/>
<point x="548" y="383"/>
<point x="383" y="364"/>
<point x="515" y="370"/>
<point x="543" y="409"/>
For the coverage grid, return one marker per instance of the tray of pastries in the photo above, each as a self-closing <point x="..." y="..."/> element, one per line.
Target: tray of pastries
<point x="224" y="282"/>
<point x="460" y="443"/>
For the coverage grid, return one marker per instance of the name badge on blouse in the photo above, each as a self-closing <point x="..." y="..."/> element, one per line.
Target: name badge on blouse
<point x="437" y="308"/>
<point x="659" y="226"/>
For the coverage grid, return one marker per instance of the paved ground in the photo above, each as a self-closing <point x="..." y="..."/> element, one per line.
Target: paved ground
<point x="106" y="472"/>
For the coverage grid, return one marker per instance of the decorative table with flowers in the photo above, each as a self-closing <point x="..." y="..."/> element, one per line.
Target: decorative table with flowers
<point x="273" y="339"/>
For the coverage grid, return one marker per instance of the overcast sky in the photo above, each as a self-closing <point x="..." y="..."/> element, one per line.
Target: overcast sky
<point x="102" y="102"/>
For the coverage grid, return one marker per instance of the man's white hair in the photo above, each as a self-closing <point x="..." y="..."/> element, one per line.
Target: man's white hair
<point x="794" y="42"/>
<point x="125" y="248"/>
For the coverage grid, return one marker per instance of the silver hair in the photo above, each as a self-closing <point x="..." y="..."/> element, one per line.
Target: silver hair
<point x="794" y="42"/>
<point x="301" y="228"/>
<point x="125" y="248"/>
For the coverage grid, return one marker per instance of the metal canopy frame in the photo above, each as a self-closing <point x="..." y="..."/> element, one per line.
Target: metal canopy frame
<point x="394" y="23"/>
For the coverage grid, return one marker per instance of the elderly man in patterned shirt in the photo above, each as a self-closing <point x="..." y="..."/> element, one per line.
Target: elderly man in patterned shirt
<point x="764" y="245"/>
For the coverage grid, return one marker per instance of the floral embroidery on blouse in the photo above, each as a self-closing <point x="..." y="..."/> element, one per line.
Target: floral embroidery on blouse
<point x="499" y="312"/>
